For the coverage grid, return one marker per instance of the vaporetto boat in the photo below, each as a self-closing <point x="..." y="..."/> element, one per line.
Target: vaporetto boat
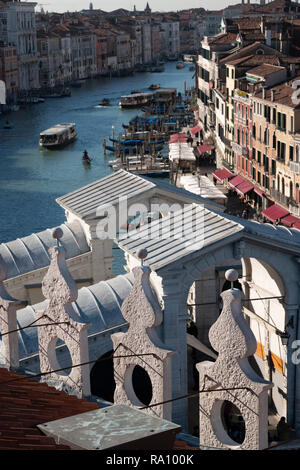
<point x="58" y="135"/>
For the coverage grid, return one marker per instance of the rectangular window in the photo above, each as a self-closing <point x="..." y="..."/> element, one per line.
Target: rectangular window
<point x="258" y="177"/>
<point x="258" y="157"/>
<point x="291" y="153"/>
<point x="292" y="124"/>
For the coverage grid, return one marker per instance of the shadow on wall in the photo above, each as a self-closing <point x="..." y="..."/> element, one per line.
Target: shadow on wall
<point x="103" y="383"/>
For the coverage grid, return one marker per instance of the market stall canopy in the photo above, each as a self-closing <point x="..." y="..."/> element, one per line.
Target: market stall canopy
<point x="258" y="191"/>
<point x="181" y="151"/>
<point x="275" y="212"/>
<point x="290" y="220"/>
<point x="236" y="181"/>
<point x="204" y="148"/>
<point x="202" y="185"/>
<point x="181" y="137"/>
<point x="195" y="130"/>
<point x="223" y="174"/>
<point x="244" y="188"/>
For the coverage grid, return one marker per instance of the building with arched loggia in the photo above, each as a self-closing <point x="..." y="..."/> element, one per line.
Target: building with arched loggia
<point x="187" y="275"/>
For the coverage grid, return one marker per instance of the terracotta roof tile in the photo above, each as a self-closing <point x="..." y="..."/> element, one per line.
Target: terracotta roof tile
<point x="282" y="94"/>
<point x="25" y="403"/>
<point x="264" y="70"/>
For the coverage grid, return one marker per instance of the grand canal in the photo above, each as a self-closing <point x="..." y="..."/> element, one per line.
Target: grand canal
<point x="32" y="178"/>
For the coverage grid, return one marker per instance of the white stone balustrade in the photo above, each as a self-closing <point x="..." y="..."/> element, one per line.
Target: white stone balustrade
<point x="9" y="353"/>
<point x="142" y="310"/>
<point x="233" y="339"/>
<point x="62" y="323"/>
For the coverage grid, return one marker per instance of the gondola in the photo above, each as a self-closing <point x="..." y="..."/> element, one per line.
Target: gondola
<point x="86" y="159"/>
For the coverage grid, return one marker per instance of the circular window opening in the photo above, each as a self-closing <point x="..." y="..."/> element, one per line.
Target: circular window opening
<point x="233" y="422"/>
<point x="142" y="385"/>
<point x="138" y="386"/>
<point x="59" y="357"/>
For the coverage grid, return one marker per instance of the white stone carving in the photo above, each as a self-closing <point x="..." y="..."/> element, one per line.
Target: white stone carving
<point x="9" y="353"/>
<point x="61" y="290"/>
<point x="231" y="336"/>
<point x="142" y="310"/>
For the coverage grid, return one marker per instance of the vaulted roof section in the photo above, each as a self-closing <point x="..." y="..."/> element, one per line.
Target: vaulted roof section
<point x="187" y="231"/>
<point x="86" y="201"/>
<point x="27" y="254"/>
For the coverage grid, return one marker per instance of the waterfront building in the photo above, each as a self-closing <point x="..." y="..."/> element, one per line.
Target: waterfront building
<point x="83" y="50"/>
<point x="276" y="117"/>
<point x="237" y="65"/>
<point x="51" y="59"/>
<point x="101" y="52"/>
<point x="146" y="41"/>
<point x="18" y="27"/>
<point x="9" y="73"/>
<point x="171" y="45"/>
<point x="124" y="54"/>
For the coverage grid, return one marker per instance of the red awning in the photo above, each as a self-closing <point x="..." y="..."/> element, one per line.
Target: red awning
<point x="174" y="138"/>
<point x="204" y="148"/>
<point x="223" y="174"/>
<point x="195" y="130"/>
<point x="297" y="225"/>
<point x="275" y="212"/>
<point x="258" y="191"/>
<point x="290" y="220"/>
<point x="244" y="187"/>
<point x="235" y="181"/>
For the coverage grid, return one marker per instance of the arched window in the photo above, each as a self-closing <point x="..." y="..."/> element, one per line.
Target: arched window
<point x="297" y="194"/>
<point x="291" y="190"/>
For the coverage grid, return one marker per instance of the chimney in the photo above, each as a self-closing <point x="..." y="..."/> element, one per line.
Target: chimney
<point x="264" y="93"/>
<point x="272" y="95"/>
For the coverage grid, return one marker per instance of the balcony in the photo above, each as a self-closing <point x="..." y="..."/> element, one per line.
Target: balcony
<point x="281" y="198"/>
<point x="240" y="149"/>
<point x="295" y="167"/>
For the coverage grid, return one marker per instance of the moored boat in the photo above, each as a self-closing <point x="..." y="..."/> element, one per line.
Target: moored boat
<point x="154" y="86"/>
<point x="135" y="100"/>
<point x="104" y="102"/>
<point x="58" y="135"/>
<point x="180" y="65"/>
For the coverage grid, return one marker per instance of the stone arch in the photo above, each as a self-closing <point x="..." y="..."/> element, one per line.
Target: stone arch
<point x="190" y="269"/>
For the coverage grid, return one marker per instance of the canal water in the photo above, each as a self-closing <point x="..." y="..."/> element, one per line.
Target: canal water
<point x="32" y="178"/>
